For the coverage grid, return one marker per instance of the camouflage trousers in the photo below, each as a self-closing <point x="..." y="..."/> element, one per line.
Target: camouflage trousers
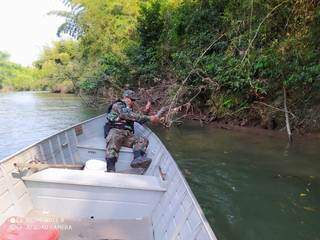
<point x="120" y="137"/>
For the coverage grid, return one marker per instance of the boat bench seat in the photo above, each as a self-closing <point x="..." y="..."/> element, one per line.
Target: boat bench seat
<point x="96" y="179"/>
<point x="95" y="148"/>
<point x="84" y="194"/>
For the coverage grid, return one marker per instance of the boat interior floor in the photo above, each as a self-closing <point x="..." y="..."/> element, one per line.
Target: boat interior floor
<point x="96" y="229"/>
<point x="95" y="147"/>
<point x="93" y="143"/>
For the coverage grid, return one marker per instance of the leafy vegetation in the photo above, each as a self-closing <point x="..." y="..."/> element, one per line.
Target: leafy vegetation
<point x="16" y="77"/>
<point x="58" y="66"/>
<point x="228" y="59"/>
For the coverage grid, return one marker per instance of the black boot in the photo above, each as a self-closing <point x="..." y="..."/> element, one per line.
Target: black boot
<point x="111" y="164"/>
<point x="140" y="160"/>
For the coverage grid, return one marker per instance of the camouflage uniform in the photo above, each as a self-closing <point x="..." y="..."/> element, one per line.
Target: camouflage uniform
<point x="119" y="137"/>
<point x="122" y="132"/>
<point x="116" y="138"/>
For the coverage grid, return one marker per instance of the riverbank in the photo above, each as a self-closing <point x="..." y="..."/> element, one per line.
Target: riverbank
<point x="249" y="119"/>
<point x="260" y="115"/>
<point x="64" y="87"/>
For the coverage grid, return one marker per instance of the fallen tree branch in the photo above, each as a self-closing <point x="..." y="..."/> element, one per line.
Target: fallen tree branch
<point x="286" y="114"/>
<point x="176" y="96"/>
<point x="235" y="112"/>
<point x="208" y="48"/>
<point x="258" y="29"/>
<point x="168" y="123"/>
<point x="278" y="109"/>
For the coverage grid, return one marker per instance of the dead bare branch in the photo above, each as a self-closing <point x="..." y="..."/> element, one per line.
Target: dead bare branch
<point x="258" y="29"/>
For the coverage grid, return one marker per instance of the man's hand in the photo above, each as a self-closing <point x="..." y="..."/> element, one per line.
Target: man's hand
<point x="147" y="108"/>
<point x="154" y="119"/>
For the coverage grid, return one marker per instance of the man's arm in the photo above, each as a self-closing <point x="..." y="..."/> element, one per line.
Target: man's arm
<point x="147" y="108"/>
<point x="127" y="114"/>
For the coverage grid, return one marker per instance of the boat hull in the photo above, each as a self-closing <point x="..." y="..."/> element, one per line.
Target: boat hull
<point x="174" y="213"/>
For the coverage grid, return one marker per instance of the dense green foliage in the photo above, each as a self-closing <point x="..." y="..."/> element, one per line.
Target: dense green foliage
<point x="16" y="77"/>
<point x="230" y="54"/>
<point x="58" y="66"/>
<point x="97" y="59"/>
<point x="251" y="49"/>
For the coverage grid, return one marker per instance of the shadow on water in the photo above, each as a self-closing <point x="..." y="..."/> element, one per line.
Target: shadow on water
<point x="250" y="186"/>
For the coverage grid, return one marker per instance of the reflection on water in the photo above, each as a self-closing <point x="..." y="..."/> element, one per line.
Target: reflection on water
<point x="26" y="117"/>
<point x="250" y="187"/>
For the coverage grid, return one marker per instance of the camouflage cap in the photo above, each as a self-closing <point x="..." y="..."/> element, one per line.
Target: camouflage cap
<point x="130" y="94"/>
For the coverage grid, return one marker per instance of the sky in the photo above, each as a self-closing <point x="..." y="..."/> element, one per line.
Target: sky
<point x="25" y="27"/>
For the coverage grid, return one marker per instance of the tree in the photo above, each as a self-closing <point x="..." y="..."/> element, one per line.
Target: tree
<point x="73" y="18"/>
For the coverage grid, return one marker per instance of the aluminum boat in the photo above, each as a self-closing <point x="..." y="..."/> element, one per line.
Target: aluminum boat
<point x="61" y="181"/>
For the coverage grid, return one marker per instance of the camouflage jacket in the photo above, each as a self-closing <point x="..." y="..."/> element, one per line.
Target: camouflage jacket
<point x="121" y="116"/>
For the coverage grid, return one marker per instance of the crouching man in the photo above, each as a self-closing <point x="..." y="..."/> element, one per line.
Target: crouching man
<point x="120" y="128"/>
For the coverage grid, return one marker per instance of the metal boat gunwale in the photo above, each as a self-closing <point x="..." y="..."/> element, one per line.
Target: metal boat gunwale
<point x="185" y="183"/>
<point x="46" y="138"/>
<point x="195" y="205"/>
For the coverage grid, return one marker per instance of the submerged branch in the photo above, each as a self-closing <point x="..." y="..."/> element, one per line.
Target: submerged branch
<point x="286" y="114"/>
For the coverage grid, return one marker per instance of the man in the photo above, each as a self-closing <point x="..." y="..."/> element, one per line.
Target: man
<point x="120" y="121"/>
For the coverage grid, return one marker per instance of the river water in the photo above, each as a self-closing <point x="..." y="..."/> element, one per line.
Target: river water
<point x="251" y="186"/>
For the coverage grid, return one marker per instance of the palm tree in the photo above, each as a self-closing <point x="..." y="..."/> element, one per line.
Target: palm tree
<point x="72" y="25"/>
